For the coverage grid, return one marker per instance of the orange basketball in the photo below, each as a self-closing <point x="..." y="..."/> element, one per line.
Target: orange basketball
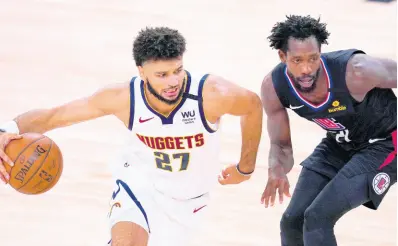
<point x="38" y="163"/>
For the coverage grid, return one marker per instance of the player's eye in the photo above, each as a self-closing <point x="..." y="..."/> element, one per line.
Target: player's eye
<point x="297" y="61"/>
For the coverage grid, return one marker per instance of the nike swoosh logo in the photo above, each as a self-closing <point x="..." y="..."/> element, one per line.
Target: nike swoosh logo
<point x="197" y="209"/>
<point x="142" y="121"/>
<point x="373" y="140"/>
<point x="295" y="107"/>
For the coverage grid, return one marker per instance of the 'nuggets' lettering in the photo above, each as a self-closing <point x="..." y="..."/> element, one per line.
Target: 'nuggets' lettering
<point x="200" y="141"/>
<point x="141" y="138"/>
<point x="179" y="143"/>
<point x="150" y="142"/>
<point x="169" y="143"/>
<point x="161" y="143"/>
<point x="189" y="141"/>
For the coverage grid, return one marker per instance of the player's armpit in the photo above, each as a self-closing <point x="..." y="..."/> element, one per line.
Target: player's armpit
<point x="365" y="72"/>
<point x="105" y="101"/>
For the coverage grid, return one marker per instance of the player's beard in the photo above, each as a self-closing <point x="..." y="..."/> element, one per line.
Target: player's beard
<point x="162" y="99"/>
<point x="305" y="89"/>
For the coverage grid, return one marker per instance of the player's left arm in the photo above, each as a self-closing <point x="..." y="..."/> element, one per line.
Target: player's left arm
<point x="223" y="97"/>
<point x="366" y="72"/>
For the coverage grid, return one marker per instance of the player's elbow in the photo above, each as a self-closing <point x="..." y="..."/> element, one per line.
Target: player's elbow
<point x="255" y="103"/>
<point x="359" y="66"/>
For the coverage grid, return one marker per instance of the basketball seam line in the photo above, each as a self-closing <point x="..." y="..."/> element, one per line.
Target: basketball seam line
<point x="56" y="175"/>
<point x="20" y="153"/>
<point x="41" y="164"/>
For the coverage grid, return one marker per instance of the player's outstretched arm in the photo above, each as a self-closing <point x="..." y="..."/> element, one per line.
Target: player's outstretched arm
<point x="365" y="72"/>
<point x="280" y="159"/>
<point x="224" y="97"/>
<point x="105" y="101"/>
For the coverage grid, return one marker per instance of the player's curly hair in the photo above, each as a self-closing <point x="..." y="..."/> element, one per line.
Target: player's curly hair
<point x="298" y="27"/>
<point x="158" y="43"/>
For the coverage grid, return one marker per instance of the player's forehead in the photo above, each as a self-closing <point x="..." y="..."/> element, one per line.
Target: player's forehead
<point x="163" y="66"/>
<point x="303" y="47"/>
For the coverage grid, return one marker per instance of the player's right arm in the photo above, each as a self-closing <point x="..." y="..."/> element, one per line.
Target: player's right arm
<point x="113" y="99"/>
<point x="280" y="159"/>
<point x="106" y="101"/>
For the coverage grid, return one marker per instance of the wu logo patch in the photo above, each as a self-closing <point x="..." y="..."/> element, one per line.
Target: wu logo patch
<point x="188" y="114"/>
<point x="188" y="117"/>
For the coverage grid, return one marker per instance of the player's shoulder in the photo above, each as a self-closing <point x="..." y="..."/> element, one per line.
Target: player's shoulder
<point x="268" y="92"/>
<point x="343" y="55"/>
<point x="267" y="82"/>
<point x="214" y="85"/>
<point x="218" y="88"/>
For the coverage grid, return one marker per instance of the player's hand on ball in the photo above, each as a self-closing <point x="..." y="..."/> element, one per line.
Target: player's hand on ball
<point x="277" y="182"/>
<point x="5" y="139"/>
<point x="230" y="175"/>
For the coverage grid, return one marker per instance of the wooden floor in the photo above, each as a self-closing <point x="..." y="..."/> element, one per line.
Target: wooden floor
<point x="52" y="51"/>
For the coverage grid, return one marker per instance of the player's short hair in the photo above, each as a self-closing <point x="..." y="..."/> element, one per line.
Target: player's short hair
<point x="298" y="27"/>
<point x="158" y="43"/>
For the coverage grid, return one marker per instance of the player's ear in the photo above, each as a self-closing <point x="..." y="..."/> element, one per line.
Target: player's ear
<point x="282" y="56"/>
<point x="141" y="71"/>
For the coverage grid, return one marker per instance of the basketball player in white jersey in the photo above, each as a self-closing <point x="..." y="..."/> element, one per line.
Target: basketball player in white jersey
<point x="168" y="167"/>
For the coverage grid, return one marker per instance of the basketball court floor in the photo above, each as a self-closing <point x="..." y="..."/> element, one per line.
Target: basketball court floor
<point x="53" y="51"/>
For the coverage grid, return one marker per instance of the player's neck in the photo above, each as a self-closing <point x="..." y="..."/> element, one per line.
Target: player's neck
<point x="321" y="90"/>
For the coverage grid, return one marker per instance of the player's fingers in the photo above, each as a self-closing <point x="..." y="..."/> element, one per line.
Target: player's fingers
<point x="222" y="180"/>
<point x="1" y="175"/>
<point x="286" y="191"/>
<point x="263" y="195"/>
<point x="265" y="199"/>
<point x="270" y="191"/>
<point x="5" y="158"/>
<point x="262" y="198"/>
<point x="222" y="174"/>
<point x="3" y="180"/>
<point x="281" y="190"/>
<point x="4" y="174"/>
<point x="272" y="195"/>
<point x="225" y="172"/>
<point x="14" y="137"/>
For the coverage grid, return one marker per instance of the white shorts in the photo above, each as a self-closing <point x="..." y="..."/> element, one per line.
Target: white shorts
<point x="167" y="221"/>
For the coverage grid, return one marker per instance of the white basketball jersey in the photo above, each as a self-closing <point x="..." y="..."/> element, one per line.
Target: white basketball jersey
<point x="180" y="150"/>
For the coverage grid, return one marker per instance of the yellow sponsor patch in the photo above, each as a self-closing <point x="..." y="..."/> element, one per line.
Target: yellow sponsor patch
<point x="337" y="107"/>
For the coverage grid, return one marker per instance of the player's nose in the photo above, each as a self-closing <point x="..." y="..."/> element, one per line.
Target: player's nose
<point x="173" y="81"/>
<point x="306" y="69"/>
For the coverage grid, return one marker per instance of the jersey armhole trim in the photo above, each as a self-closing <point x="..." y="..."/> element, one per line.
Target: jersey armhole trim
<point x="200" y="103"/>
<point x="277" y="87"/>
<point x="132" y="103"/>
